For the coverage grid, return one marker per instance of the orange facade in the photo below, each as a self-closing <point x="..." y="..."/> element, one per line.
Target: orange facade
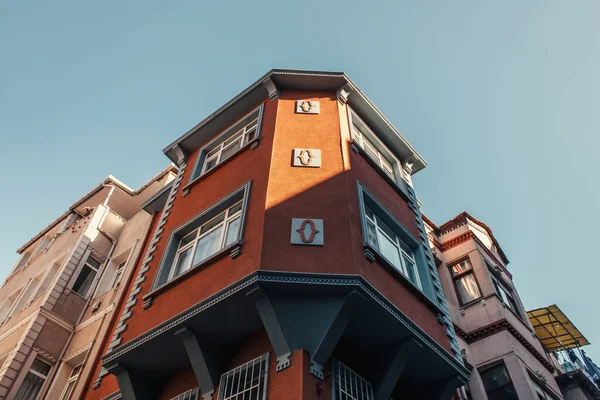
<point x="279" y="192"/>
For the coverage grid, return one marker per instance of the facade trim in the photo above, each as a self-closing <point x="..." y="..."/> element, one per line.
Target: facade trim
<point x="500" y="326"/>
<point x="284" y="277"/>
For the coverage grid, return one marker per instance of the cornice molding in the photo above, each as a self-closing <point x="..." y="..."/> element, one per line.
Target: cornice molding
<point x="500" y="326"/>
<point x="282" y="277"/>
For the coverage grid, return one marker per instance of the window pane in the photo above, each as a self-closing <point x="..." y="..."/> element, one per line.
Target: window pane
<point x="40" y="367"/>
<point x="208" y="245"/>
<point x="495" y="378"/>
<point x="84" y="281"/>
<point x="235" y="208"/>
<point x="30" y="387"/>
<point x="461" y="267"/>
<point x="372" y="234"/>
<point x="93" y="263"/>
<point x="231" y="149"/>
<point x="390" y="251"/>
<point x="411" y="271"/>
<point x="386" y="230"/>
<point x="233" y="230"/>
<point x="182" y="262"/>
<point x="467" y="288"/>
<point x="68" y="390"/>
<point x="188" y="238"/>
<point x="212" y="223"/>
<point x="210" y="163"/>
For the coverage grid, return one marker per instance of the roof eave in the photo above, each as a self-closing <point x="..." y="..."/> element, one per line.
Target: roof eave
<point x="300" y="80"/>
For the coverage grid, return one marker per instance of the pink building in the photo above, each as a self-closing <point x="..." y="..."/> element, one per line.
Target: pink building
<point x="497" y="340"/>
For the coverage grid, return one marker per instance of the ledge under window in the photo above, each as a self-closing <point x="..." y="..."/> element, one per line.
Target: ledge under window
<point x="233" y="250"/>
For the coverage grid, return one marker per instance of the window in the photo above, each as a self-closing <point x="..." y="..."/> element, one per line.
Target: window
<point x="47" y="281"/>
<point x="212" y="236"/>
<point x="381" y="237"/>
<point x="348" y="385"/>
<point x="497" y="383"/>
<point x="28" y="293"/>
<point x="8" y="304"/>
<point x="214" y="231"/>
<point x="248" y="381"/>
<point x="71" y="383"/>
<point x="118" y="275"/>
<point x="506" y="296"/>
<point x="42" y="245"/>
<point x="465" y="283"/>
<point x="377" y="151"/>
<point x="86" y="276"/>
<point x="68" y="222"/>
<point x="34" y="380"/>
<point x="540" y="393"/>
<point x="191" y="394"/>
<point x="229" y="143"/>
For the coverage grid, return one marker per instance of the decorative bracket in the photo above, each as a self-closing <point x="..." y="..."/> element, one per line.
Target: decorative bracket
<point x="271" y="89"/>
<point x="206" y="377"/>
<point x="343" y="93"/>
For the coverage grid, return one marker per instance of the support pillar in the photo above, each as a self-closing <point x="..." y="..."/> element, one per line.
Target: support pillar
<point x="133" y="386"/>
<point x="272" y="326"/>
<point x="332" y="334"/>
<point x="394" y="370"/>
<point x="205" y="375"/>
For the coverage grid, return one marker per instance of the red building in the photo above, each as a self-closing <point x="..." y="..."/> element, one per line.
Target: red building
<point x="287" y="260"/>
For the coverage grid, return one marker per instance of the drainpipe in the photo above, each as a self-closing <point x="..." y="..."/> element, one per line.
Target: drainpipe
<point x="119" y="303"/>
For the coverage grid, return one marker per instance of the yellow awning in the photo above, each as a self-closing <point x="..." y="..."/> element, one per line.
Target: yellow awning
<point x="555" y="330"/>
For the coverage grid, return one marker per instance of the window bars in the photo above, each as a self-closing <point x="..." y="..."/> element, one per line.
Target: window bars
<point x="349" y="385"/>
<point x="191" y="394"/>
<point x="246" y="382"/>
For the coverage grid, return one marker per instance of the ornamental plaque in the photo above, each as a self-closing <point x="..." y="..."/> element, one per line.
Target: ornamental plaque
<point x="307" y="232"/>
<point x="307" y="158"/>
<point x="308" y="107"/>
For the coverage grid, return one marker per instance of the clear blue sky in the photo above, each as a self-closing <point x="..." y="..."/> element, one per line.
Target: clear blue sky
<point x="501" y="98"/>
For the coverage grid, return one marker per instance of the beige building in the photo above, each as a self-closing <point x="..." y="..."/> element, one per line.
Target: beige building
<point x="497" y="340"/>
<point x="58" y="300"/>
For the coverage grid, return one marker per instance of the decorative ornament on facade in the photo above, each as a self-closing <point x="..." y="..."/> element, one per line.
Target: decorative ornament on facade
<point x="308" y="107"/>
<point x="307" y="232"/>
<point x="307" y="158"/>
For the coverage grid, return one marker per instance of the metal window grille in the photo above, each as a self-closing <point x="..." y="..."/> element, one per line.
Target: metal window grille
<point x="191" y="394"/>
<point x="349" y="385"/>
<point x="246" y="382"/>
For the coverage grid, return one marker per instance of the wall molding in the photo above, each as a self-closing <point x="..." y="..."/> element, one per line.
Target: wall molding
<point x="501" y="326"/>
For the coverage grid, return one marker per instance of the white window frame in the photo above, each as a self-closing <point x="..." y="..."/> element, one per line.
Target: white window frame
<point x="169" y="259"/>
<point x="66" y="394"/>
<point x="12" y="305"/>
<point x="375" y="149"/>
<point x="263" y="379"/>
<point x="96" y="275"/>
<point x="191" y="394"/>
<point x="400" y="246"/>
<point x="351" y="384"/>
<point x="118" y="276"/>
<point x="19" y="381"/>
<point x="504" y="293"/>
<point x="226" y="139"/>
<point x="228" y="218"/>
<point x="44" y="241"/>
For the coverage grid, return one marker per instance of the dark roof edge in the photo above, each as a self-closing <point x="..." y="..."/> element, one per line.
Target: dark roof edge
<point x="419" y="162"/>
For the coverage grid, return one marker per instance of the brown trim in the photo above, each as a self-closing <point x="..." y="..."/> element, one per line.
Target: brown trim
<point x="457" y="240"/>
<point x="500" y="326"/>
<point x="465" y="237"/>
<point x="462" y="217"/>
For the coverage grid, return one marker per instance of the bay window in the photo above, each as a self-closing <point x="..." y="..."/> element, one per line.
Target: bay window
<point x="507" y="297"/>
<point x="497" y="383"/>
<point x="389" y="241"/>
<point x="376" y="150"/>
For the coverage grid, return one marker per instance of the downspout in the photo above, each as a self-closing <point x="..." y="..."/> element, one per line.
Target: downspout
<point x="52" y="374"/>
<point x="119" y="303"/>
